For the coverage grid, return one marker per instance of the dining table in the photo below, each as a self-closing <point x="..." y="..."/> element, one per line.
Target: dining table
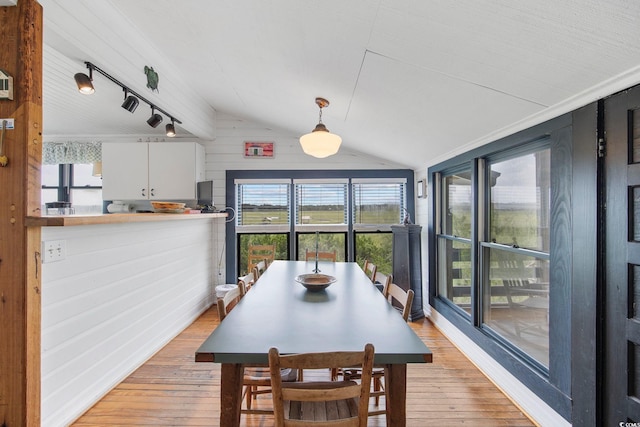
<point x="280" y="312"/>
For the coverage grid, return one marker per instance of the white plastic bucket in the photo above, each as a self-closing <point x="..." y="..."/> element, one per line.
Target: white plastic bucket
<point x="221" y="290"/>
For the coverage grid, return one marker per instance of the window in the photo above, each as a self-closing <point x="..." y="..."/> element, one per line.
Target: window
<point x="263" y="204"/>
<point x="510" y="297"/>
<point x="321" y="205"/>
<point x="321" y="202"/>
<point x="73" y="183"/>
<point x="454" y="238"/>
<point x="352" y="215"/>
<point x="263" y="217"/>
<point x="377" y="204"/>
<point x="516" y="253"/>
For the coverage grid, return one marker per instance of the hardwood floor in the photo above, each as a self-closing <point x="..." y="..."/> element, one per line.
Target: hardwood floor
<point x="172" y="390"/>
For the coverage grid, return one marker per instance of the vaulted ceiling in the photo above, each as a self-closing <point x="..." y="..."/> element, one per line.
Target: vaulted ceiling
<point x="411" y="81"/>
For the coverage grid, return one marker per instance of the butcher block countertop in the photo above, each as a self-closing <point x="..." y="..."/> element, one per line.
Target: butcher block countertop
<point x="115" y="218"/>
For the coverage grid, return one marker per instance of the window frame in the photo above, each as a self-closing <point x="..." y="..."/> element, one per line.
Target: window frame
<point x="232" y="176"/>
<point x="66" y="183"/>
<point x="552" y="384"/>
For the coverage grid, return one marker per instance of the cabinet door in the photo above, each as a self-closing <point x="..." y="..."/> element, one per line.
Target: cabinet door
<point x="172" y="171"/>
<point x="125" y="172"/>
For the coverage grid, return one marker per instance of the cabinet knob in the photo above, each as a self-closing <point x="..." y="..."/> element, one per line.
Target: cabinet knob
<point x="152" y="190"/>
<point x="143" y="194"/>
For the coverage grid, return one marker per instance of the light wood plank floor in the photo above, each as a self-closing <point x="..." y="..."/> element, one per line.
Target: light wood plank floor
<point x="172" y="390"/>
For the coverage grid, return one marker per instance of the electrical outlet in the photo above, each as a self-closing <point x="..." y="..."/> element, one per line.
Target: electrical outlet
<point x="54" y="250"/>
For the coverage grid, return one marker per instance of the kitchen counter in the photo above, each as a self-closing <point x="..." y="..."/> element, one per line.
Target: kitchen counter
<point x="115" y="218"/>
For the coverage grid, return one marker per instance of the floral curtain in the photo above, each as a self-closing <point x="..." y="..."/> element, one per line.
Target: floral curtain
<point x="54" y="153"/>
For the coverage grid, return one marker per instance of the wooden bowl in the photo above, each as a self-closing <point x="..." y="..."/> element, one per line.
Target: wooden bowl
<point x="168" y="206"/>
<point x="315" y="281"/>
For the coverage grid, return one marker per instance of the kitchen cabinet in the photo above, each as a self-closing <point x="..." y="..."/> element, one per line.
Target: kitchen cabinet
<point x="151" y="171"/>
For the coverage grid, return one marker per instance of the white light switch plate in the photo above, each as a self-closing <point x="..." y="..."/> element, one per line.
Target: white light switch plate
<point x="54" y="250"/>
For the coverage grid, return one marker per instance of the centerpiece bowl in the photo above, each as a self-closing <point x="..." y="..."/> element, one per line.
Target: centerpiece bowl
<point x="315" y="281"/>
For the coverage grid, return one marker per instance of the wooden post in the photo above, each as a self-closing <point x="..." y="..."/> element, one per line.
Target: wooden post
<point x="20" y="269"/>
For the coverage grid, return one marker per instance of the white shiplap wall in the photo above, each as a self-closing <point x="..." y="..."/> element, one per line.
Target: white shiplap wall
<point x="123" y="291"/>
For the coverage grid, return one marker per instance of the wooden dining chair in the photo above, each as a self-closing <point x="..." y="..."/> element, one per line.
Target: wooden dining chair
<point x="247" y="281"/>
<point x="258" y="253"/>
<point x="370" y="269"/>
<point x="403" y="300"/>
<point x="229" y="300"/>
<point x="322" y="256"/>
<point x="256" y="379"/>
<point x="321" y="403"/>
<point x="259" y="269"/>
<point x="382" y="280"/>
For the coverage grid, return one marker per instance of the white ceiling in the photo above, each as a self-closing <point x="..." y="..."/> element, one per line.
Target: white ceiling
<point x="410" y="81"/>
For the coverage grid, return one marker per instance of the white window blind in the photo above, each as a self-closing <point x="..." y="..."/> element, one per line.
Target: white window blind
<point x="264" y="204"/>
<point x="377" y="203"/>
<point x="321" y="203"/>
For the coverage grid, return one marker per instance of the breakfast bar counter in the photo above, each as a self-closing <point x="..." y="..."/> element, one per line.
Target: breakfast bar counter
<point x="114" y="218"/>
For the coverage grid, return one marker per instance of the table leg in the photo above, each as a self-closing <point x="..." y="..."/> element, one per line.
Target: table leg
<point x="230" y="394"/>
<point x="395" y="378"/>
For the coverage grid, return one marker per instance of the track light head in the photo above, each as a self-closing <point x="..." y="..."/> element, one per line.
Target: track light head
<point x="171" y="129"/>
<point x="85" y="86"/>
<point x="155" y="119"/>
<point x="130" y="103"/>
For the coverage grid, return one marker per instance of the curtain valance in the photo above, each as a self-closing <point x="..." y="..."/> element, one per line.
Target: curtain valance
<point x="54" y="153"/>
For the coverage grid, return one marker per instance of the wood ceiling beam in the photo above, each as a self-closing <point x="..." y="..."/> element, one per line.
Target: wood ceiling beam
<point x="20" y="262"/>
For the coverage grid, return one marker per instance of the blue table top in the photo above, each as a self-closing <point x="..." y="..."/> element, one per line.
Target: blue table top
<point x="280" y="312"/>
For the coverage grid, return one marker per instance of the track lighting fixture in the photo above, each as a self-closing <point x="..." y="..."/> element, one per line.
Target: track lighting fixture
<point x="130" y="102"/>
<point x="171" y="129"/>
<point x="84" y="82"/>
<point x="131" y="98"/>
<point x="155" y="118"/>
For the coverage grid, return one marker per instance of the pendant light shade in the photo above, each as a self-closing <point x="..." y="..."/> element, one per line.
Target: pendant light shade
<point x="320" y="142"/>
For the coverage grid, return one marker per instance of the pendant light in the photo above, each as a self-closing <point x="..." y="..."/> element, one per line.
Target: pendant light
<point x="320" y="142"/>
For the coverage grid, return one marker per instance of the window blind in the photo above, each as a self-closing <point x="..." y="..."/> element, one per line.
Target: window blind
<point x="378" y="203"/>
<point x="321" y="203"/>
<point x="263" y="204"/>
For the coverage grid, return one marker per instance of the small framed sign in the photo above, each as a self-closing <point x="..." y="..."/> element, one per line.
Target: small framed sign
<point x="260" y="150"/>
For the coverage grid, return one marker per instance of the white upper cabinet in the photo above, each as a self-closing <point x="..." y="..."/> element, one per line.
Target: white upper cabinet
<point x="154" y="171"/>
